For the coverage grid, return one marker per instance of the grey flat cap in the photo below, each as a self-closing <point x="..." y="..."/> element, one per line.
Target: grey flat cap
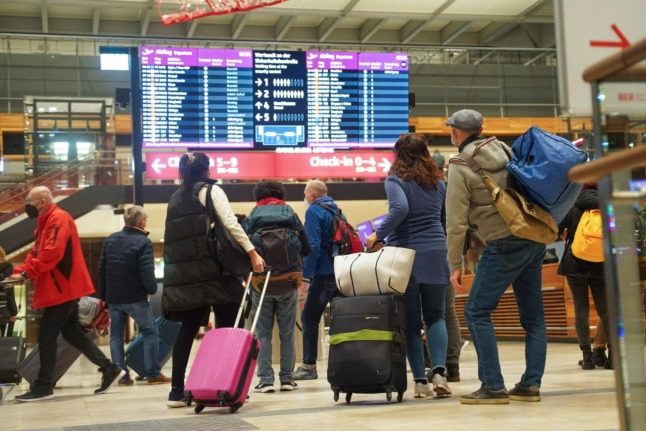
<point x="465" y="119"/>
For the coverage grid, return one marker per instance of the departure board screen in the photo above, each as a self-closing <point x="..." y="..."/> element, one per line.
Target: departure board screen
<point x="239" y="98"/>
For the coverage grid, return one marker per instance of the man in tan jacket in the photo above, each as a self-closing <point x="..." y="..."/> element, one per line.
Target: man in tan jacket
<point x="505" y="260"/>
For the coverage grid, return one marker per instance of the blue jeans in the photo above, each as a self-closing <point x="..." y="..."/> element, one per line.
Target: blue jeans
<point x="143" y="317"/>
<point x="284" y="308"/>
<point x="320" y="293"/>
<point x="506" y="261"/>
<point x="425" y="300"/>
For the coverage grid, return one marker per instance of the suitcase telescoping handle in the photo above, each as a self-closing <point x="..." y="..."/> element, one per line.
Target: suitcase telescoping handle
<point x="246" y="295"/>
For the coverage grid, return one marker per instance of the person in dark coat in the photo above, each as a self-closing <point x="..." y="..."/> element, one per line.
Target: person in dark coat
<point x="193" y="280"/>
<point x="127" y="274"/>
<point x="583" y="277"/>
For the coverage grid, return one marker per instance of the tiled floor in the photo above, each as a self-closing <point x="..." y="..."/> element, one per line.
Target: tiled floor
<point x="573" y="400"/>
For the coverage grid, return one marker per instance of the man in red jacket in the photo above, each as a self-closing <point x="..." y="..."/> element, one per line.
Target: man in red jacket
<point x="57" y="267"/>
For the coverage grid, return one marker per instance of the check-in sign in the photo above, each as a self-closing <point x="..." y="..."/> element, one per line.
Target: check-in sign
<point x="268" y="165"/>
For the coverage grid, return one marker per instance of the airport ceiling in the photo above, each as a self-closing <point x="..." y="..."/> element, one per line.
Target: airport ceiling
<point x="524" y="24"/>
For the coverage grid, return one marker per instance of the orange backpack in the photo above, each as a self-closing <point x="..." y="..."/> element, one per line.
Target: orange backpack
<point x="588" y="238"/>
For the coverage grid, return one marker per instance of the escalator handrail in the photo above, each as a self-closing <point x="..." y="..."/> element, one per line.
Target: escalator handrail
<point x="613" y="162"/>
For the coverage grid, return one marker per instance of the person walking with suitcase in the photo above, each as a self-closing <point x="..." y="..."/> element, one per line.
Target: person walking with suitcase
<point x="318" y="272"/>
<point x="506" y="259"/>
<point x="415" y="220"/>
<point x="276" y="230"/>
<point x="127" y="274"/>
<point x="57" y="266"/>
<point x="193" y="280"/>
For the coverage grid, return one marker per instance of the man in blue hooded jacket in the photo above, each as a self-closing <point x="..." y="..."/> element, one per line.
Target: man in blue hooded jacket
<point x="318" y="272"/>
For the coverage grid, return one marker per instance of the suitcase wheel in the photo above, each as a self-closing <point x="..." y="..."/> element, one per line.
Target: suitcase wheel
<point x="389" y="395"/>
<point x="199" y="408"/>
<point x="348" y="397"/>
<point x="336" y="396"/>
<point x="234" y="408"/>
<point x="400" y="396"/>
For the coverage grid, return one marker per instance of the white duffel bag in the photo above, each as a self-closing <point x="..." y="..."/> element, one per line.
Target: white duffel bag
<point x="382" y="272"/>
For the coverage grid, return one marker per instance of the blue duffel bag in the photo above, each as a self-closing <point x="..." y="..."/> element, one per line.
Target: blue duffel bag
<point x="540" y="166"/>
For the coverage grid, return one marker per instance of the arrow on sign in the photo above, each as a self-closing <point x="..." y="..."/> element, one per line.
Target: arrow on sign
<point x="621" y="43"/>
<point x="157" y="166"/>
<point x="385" y="164"/>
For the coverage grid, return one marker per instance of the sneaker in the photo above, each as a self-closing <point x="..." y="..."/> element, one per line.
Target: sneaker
<point x="159" y="380"/>
<point x="440" y="386"/>
<point x="306" y="372"/>
<point x="265" y="388"/>
<point x="32" y="396"/>
<point x="423" y="390"/>
<point x="176" y="399"/>
<point x="486" y="396"/>
<point x="111" y="374"/>
<point x="126" y="381"/>
<point x="288" y="386"/>
<point x="525" y="393"/>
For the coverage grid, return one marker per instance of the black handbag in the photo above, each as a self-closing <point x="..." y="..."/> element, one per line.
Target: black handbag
<point x="222" y="246"/>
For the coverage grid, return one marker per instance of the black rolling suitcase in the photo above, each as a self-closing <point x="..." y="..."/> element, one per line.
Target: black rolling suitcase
<point x="12" y="349"/>
<point x="66" y="355"/>
<point x="12" y="352"/>
<point x="367" y="346"/>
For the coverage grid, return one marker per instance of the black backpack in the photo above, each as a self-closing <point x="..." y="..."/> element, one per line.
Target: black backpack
<point x="273" y="230"/>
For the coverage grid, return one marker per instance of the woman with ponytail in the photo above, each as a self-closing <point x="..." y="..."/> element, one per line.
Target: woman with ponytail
<point x="416" y="220"/>
<point x="193" y="281"/>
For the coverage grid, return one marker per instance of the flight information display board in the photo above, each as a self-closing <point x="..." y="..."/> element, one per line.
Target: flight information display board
<point x="239" y="98"/>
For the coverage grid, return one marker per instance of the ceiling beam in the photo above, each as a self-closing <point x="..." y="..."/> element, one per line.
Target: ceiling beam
<point x="369" y="28"/>
<point x="326" y="28"/>
<point x="238" y="23"/>
<point x="454" y="32"/>
<point x="413" y="27"/>
<point x="523" y="17"/>
<point x="530" y="35"/>
<point x="535" y="59"/>
<point x="191" y="27"/>
<point x="494" y="35"/>
<point x="328" y="25"/>
<point x="44" y="18"/>
<point x="145" y="21"/>
<point x="96" y="20"/>
<point x="483" y="58"/>
<point x="282" y="26"/>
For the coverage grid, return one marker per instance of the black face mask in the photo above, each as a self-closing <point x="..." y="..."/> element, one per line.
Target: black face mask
<point x="31" y="211"/>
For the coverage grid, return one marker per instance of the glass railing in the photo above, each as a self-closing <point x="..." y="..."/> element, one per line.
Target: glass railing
<point x="619" y="89"/>
<point x="103" y="168"/>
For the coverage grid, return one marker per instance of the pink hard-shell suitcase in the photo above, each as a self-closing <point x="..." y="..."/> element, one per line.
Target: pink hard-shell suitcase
<point x="225" y="363"/>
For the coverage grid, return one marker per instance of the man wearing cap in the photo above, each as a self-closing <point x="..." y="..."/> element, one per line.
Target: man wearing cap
<point x="506" y="260"/>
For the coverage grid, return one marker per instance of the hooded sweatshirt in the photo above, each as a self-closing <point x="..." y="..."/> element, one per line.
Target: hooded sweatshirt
<point x="468" y="202"/>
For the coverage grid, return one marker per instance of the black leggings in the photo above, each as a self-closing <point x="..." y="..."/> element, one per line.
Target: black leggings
<point x="580" y="286"/>
<point x="225" y="316"/>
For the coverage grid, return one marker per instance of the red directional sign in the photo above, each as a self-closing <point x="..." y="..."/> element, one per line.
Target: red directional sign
<point x="621" y="43"/>
<point x="268" y="165"/>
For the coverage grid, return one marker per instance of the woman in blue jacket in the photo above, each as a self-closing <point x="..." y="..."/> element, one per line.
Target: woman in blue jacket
<point x="416" y="220"/>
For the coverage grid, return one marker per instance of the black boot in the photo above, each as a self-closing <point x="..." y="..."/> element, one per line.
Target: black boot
<point x="453" y="372"/>
<point x="608" y="365"/>
<point x="599" y="358"/>
<point x="587" y="363"/>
